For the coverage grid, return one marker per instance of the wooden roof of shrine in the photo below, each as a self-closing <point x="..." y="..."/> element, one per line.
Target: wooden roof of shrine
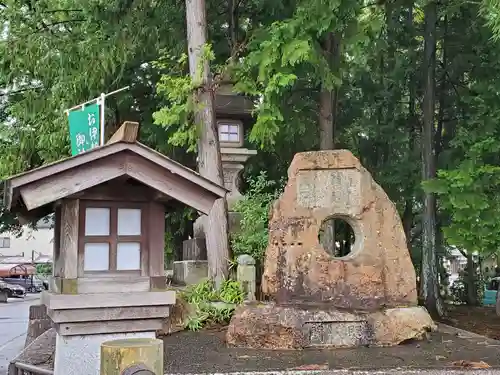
<point x="35" y="191"/>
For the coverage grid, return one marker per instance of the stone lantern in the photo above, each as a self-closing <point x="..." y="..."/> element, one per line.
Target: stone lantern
<point x="234" y="118"/>
<point x="234" y="156"/>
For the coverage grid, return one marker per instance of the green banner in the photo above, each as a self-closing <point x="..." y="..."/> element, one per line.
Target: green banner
<point x="84" y="129"/>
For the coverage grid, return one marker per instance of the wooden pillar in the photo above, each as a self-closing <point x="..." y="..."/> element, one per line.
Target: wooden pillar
<point x="69" y="238"/>
<point x="119" y="357"/>
<point x="66" y="248"/>
<point x="154" y="267"/>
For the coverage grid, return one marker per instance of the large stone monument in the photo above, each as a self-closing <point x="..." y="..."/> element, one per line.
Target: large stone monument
<point x="108" y="276"/>
<point x="367" y="297"/>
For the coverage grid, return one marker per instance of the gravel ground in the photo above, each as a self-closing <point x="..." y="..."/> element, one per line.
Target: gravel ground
<point x="206" y="352"/>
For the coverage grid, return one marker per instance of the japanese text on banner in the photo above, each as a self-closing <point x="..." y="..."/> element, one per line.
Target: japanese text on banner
<point x="84" y="129"/>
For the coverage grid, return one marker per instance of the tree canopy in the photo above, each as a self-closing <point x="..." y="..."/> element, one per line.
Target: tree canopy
<point x="286" y="55"/>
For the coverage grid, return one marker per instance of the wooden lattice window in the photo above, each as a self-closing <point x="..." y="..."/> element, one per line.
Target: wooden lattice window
<point x="112" y="236"/>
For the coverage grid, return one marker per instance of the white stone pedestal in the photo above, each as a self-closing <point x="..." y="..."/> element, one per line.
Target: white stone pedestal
<point x="84" y="321"/>
<point x="78" y="355"/>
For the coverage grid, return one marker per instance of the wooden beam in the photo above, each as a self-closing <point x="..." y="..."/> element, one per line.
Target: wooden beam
<point x="171" y="184"/>
<point x="101" y="300"/>
<point x="117" y="190"/>
<point x="116" y="284"/>
<point x="177" y="168"/>
<point x="110" y="313"/>
<point x="66" y="164"/>
<point x="127" y="133"/>
<point x="48" y="190"/>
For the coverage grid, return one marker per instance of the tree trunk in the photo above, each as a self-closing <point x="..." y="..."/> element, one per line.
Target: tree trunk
<point x="328" y="98"/>
<point x="471" y="281"/>
<point x="429" y="288"/>
<point x="407" y="220"/>
<point x="327" y="118"/>
<point x="209" y="158"/>
<point x="408" y="214"/>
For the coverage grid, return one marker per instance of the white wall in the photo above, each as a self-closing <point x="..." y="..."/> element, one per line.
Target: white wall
<point x="39" y="240"/>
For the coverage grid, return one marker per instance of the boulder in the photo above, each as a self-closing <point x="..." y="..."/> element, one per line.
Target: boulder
<point x="377" y="273"/>
<point x="271" y="326"/>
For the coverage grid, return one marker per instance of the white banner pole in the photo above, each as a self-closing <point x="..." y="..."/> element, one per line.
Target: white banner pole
<point x="96" y="99"/>
<point x="102" y="100"/>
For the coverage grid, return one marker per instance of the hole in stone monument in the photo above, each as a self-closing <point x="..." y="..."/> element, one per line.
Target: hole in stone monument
<point x="336" y="236"/>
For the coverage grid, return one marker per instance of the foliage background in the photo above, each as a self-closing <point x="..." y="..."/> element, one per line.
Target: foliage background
<point x="57" y="53"/>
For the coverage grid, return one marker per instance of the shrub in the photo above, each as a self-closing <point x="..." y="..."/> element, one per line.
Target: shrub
<point x="254" y="208"/>
<point x="203" y="295"/>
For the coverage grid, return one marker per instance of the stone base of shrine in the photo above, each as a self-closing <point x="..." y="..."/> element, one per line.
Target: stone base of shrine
<point x="81" y="354"/>
<point x="271" y="326"/>
<point x="84" y="321"/>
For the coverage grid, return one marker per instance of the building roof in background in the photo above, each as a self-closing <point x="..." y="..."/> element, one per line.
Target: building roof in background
<point x="12" y="269"/>
<point x="25" y="260"/>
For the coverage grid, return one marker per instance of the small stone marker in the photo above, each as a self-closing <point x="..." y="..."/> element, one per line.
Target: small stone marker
<point x="365" y="297"/>
<point x="245" y="274"/>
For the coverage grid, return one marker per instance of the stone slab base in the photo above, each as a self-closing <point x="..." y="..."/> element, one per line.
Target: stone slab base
<point x="271" y="326"/>
<point x="39" y="322"/>
<point x="78" y="355"/>
<point x="189" y="272"/>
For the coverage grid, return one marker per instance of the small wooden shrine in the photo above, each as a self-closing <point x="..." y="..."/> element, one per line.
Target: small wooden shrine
<point x="108" y="276"/>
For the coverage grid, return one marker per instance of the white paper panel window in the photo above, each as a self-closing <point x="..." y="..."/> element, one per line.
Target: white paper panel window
<point x="224" y="137"/>
<point x="223" y="128"/>
<point x="233" y="137"/>
<point x="96" y="257"/>
<point x="129" y="221"/>
<point x="233" y="129"/>
<point x="128" y="256"/>
<point x="97" y="222"/>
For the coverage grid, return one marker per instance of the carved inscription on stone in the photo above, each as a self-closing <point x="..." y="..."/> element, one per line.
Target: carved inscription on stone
<point x="338" y="189"/>
<point x="338" y="334"/>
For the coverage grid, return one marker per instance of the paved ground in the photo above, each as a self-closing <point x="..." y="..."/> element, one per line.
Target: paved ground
<point x="13" y="324"/>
